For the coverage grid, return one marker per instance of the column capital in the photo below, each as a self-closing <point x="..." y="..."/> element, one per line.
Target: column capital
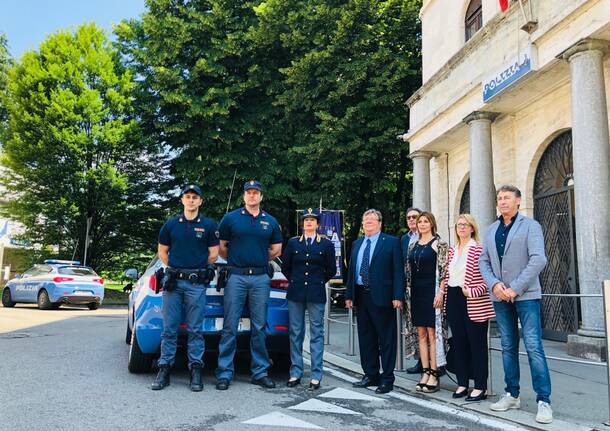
<point x="421" y="154"/>
<point x="481" y="115"/>
<point x="584" y="45"/>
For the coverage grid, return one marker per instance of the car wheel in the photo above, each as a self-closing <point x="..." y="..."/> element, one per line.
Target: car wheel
<point x="138" y="362"/>
<point x="128" y="333"/>
<point x="6" y="298"/>
<point x="93" y="306"/>
<point x="44" y="303"/>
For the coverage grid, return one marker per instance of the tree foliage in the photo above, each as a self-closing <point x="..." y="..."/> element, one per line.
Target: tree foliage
<point x="74" y="150"/>
<point x="305" y="95"/>
<point x="5" y="63"/>
<point x="204" y="92"/>
<point x="352" y="65"/>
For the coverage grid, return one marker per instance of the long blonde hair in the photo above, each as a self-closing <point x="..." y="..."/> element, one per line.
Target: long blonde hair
<point x="472" y="222"/>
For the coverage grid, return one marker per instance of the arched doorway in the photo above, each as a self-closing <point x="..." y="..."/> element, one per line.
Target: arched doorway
<point x="554" y="210"/>
<point x="465" y="199"/>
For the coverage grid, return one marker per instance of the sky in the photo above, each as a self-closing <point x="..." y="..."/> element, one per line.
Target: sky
<point x="26" y="23"/>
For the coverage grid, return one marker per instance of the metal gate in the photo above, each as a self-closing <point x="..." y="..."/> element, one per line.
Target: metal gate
<point x="554" y="210"/>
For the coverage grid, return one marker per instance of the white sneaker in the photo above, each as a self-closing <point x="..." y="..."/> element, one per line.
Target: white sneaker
<point x="545" y="413"/>
<point x="505" y="403"/>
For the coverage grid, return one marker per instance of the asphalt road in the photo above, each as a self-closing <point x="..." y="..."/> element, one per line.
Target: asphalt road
<point x="67" y="370"/>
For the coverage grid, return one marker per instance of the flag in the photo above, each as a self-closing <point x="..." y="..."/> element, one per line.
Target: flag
<point x="503" y="5"/>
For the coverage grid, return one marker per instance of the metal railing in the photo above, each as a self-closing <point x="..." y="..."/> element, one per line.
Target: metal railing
<point x="605" y="295"/>
<point x="351" y="325"/>
<point x="351" y="329"/>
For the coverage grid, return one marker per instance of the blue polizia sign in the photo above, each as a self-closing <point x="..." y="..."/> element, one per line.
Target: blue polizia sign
<point x="511" y="73"/>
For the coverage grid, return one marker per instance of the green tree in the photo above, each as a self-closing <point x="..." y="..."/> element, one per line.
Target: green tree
<point x="305" y="95"/>
<point x="75" y="153"/>
<point x="206" y="91"/>
<point x="5" y="63"/>
<point x="352" y="65"/>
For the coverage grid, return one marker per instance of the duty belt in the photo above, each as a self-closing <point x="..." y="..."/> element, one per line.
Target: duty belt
<point x="191" y="275"/>
<point x="256" y="270"/>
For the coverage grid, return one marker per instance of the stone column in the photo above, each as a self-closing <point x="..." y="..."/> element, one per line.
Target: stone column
<point x="482" y="188"/>
<point x="591" y="156"/>
<point x="421" y="179"/>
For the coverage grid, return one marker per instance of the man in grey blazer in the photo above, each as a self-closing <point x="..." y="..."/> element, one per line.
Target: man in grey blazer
<point x="512" y="259"/>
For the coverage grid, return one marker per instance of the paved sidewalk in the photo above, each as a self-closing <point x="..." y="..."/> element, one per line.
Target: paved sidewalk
<point x="579" y="396"/>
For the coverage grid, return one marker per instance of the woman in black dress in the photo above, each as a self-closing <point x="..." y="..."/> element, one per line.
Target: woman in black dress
<point x="423" y="263"/>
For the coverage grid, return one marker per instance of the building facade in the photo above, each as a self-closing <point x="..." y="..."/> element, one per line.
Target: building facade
<point x="520" y="97"/>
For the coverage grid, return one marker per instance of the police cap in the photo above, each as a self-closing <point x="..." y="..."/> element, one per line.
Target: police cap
<point x="253" y="184"/>
<point x="310" y="213"/>
<point x="191" y="188"/>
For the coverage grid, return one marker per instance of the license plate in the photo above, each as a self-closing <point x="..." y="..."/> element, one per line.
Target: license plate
<point x="82" y="293"/>
<point x="244" y="324"/>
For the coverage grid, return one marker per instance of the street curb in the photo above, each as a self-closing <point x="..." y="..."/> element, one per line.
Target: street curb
<point x="517" y="417"/>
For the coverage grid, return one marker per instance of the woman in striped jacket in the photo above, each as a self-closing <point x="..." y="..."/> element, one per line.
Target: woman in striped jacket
<point x="468" y="307"/>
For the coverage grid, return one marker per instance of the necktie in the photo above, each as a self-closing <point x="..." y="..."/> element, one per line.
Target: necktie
<point x="308" y="241"/>
<point x="364" y="266"/>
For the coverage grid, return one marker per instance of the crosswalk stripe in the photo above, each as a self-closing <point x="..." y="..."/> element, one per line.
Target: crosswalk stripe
<point x="322" y="407"/>
<point x="278" y="419"/>
<point x="346" y="394"/>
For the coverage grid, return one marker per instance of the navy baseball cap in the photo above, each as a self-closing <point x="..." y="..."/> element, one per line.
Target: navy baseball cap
<point x="253" y="184"/>
<point x="310" y="213"/>
<point x="191" y="188"/>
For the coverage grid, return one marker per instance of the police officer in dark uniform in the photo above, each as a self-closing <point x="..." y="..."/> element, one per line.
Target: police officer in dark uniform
<point x="249" y="238"/>
<point x="309" y="263"/>
<point x="187" y="244"/>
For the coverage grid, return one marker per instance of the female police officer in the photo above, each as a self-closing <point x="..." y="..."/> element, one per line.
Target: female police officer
<point x="308" y="263"/>
<point x="187" y="243"/>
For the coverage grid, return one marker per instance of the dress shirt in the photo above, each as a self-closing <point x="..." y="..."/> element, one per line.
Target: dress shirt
<point x="373" y="239"/>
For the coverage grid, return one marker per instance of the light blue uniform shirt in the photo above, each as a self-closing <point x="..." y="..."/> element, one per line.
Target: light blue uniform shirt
<point x="373" y="239"/>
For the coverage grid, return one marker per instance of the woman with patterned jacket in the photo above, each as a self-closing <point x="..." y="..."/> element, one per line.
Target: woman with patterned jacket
<point x="426" y="329"/>
<point x="468" y="308"/>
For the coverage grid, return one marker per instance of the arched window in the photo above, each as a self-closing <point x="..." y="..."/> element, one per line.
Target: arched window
<point x="474" y="18"/>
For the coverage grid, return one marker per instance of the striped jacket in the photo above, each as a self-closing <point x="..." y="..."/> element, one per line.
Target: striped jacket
<point x="478" y="303"/>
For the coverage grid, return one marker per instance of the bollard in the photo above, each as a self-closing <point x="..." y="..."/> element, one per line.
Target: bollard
<point x="606" y="295"/>
<point x="327" y="315"/>
<point x="400" y="346"/>
<point x="350" y="334"/>
<point x="490" y="379"/>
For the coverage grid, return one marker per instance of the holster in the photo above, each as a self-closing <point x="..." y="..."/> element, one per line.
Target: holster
<point x="207" y="275"/>
<point x="168" y="281"/>
<point x="223" y="277"/>
<point x="158" y="278"/>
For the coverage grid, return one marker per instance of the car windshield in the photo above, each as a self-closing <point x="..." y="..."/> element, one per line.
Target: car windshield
<point x="75" y="270"/>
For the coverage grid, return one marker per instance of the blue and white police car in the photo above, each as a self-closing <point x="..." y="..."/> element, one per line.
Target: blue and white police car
<point x="145" y="318"/>
<point x="53" y="283"/>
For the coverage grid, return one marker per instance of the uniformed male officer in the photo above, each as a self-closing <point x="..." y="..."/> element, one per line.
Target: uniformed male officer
<point x="309" y="263"/>
<point x="187" y="244"/>
<point x="249" y="238"/>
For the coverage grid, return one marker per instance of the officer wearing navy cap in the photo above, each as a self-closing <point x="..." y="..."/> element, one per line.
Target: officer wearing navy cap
<point x="187" y="244"/>
<point x="249" y="238"/>
<point x="309" y="263"/>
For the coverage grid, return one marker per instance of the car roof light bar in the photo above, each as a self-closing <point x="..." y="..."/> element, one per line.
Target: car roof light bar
<point x="62" y="262"/>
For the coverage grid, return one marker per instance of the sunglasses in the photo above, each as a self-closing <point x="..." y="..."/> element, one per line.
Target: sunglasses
<point x="462" y="225"/>
<point x="412" y="217"/>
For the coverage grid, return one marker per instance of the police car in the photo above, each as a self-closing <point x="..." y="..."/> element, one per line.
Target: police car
<point x="53" y="283"/>
<point x="145" y="318"/>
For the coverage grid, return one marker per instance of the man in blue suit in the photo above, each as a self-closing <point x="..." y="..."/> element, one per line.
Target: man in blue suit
<point x="375" y="286"/>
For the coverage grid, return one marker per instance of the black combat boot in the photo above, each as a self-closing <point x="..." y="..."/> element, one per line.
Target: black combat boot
<point x="162" y="379"/>
<point x="196" y="383"/>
